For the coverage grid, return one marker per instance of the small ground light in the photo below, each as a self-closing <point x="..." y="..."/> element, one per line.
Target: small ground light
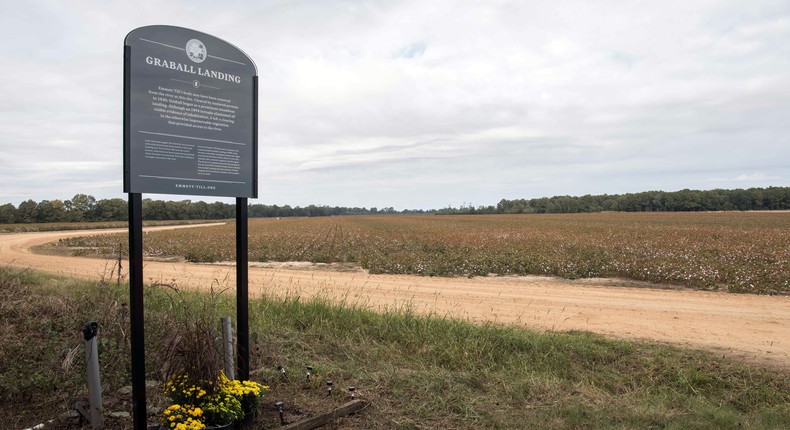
<point x="281" y="411"/>
<point x="281" y="369"/>
<point x="352" y="390"/>
<point x="309" y="372"/>
<point x="329" y="388"/>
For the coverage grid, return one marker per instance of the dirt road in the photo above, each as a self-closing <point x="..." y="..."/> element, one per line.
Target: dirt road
<point x="747" y="327"/>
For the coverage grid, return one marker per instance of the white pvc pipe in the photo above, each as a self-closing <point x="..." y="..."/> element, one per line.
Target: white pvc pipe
<point x="227" y="341"/>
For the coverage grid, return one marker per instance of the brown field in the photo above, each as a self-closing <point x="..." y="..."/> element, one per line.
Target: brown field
<point x="746" y="326"/>
<point x="726" y="251"/>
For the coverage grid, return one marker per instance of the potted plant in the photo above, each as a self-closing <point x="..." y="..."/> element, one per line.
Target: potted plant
<point x="210" y="404"/>
<point x="199" y="395"/>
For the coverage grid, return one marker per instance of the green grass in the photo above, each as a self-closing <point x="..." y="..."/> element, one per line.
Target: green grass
<point x="416" y="372"/>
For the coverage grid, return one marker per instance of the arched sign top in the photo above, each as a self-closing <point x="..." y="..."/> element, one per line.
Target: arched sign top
<point x="196" y="46"/>
<point x="190" y="114"/>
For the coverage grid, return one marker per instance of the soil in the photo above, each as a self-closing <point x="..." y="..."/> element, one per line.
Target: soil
<point x="749" y="328"/>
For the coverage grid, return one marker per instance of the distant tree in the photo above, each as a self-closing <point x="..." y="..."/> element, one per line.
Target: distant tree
<point x="26" y="212"/>
<point x="776" y="198"/>
<point x="50" y="211"/>
<point x="111" y="210"/>
<point x="154" y="209"/>
<point x="742" y="200"/>
<point x="197" y="210"/>
<point x="177" y="210"/>
<point x="59" y="206"/>
<point x="80" y="207"/>
<point x="219" y="210"/>
<point x="7" y="214"/>
<point x="285" y="211"/>
<point x="758" y="198"/>
<point x="691" y="200"/>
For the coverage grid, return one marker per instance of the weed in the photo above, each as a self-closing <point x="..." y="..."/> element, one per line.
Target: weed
<point x="415" y="371"/>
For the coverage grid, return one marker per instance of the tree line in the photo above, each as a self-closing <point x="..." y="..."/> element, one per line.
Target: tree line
<point x="83" y="207"/>
<point x="772" y="198"/>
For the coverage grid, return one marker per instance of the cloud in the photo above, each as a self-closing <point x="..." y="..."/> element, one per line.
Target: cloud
<point x="423" y="104"/>
<point x="756" y="177"/>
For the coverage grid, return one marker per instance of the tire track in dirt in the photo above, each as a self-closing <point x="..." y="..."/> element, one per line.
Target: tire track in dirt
<point x="751" y="328"/>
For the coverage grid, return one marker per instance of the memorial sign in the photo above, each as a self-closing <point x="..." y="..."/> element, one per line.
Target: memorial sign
<point x="190" y="127"/>
<point x="190" y="113"/>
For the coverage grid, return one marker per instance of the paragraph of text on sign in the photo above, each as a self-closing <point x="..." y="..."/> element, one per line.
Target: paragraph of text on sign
<point x="193" y="110"/>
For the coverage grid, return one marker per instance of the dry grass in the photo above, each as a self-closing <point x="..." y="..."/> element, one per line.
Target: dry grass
<point x="416" y="372"/>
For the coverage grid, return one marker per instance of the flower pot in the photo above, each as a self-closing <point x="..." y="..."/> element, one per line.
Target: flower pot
<point x="248" y="419"/>
<point x="220" y="427"/>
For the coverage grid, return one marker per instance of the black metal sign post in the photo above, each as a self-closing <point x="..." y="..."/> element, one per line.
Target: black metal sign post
<point x="242" y="296"/>
<point x="242" y="256"/>
<point x="190" y="127"/>
<point x="136" y="319"/>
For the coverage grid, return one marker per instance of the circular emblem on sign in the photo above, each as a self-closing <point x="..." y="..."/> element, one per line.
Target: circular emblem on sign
<point x="196" y="50"/>
<point x="196" y="83"/>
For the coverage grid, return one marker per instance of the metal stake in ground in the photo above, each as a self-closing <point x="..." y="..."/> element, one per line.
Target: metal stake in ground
<point x="281" y="411"/>
<point x="89" y="332"/>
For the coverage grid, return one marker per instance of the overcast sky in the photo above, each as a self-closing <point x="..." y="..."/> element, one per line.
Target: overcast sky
<point x="424" y="104"/>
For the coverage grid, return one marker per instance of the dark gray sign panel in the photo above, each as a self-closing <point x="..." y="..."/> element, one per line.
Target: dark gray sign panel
<point x="190" y="115"/>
